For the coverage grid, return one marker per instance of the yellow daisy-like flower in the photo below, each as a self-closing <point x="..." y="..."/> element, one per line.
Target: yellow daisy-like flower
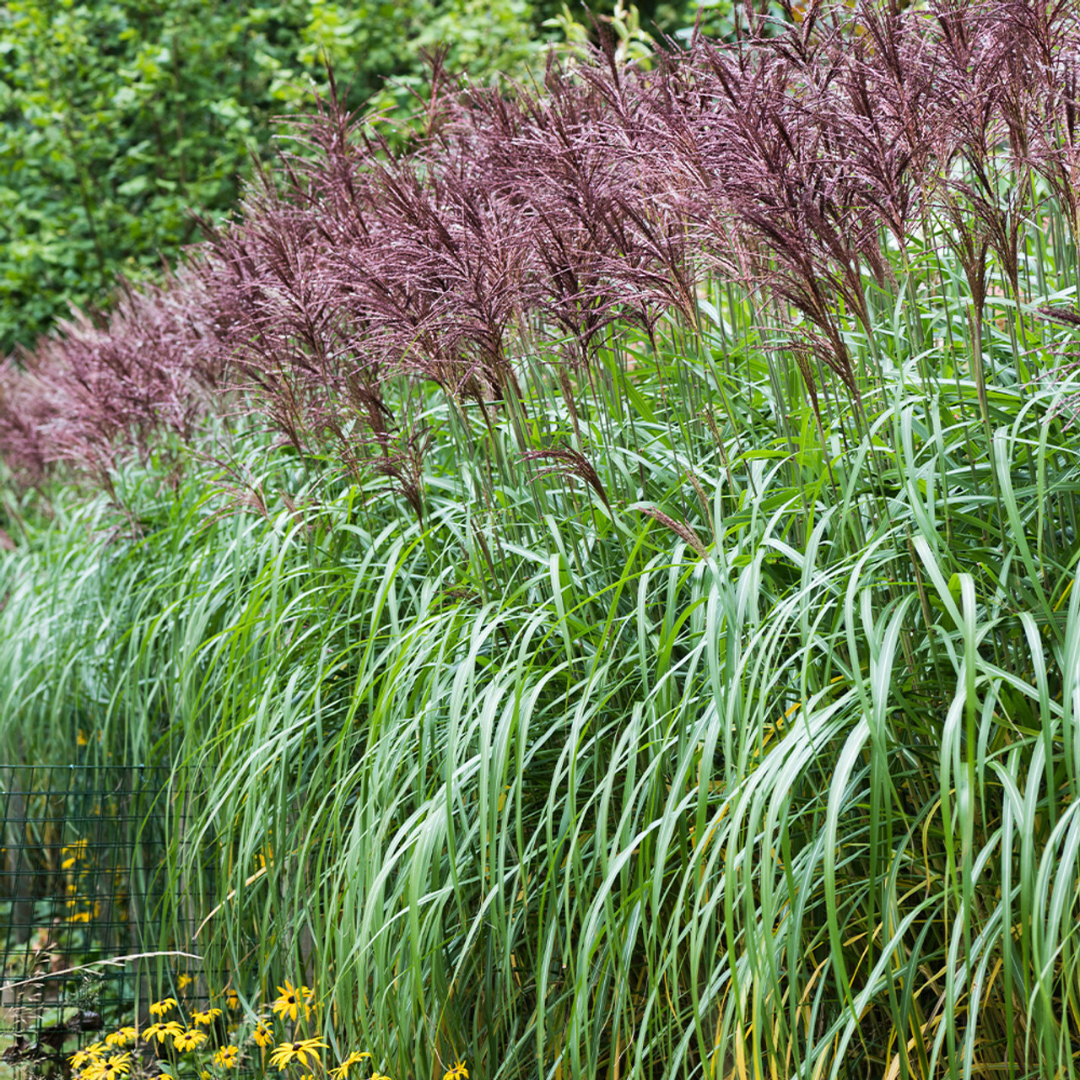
<point x="262" y="1035"/>
<point x="342" y="1071"/>
<point x="204" y="1075"/>
<point x="189" y="1040"/>
<point x="88" y="1054"/>
<point x="122" y="1036"/>
<point x="206" y="1017"/>
<point x="227" y="1057"/>
<point x="184" y="980"/>
<point x="291" y="1000"/>
<point x="115" y="1067"/>
<point x="232" y="999"/>
<point x="458" y="1072"/>
<point x="297" y="1051"/>
<point x="379" y="1076"/>
<point x="169" y="1030"/>
<point x="160" y="1008"/>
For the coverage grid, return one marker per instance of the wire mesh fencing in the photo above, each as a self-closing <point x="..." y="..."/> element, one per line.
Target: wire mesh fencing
<point x="81" y="856"/>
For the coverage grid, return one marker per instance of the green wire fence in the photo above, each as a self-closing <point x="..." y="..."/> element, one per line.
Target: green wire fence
<point x="81" y="856"/>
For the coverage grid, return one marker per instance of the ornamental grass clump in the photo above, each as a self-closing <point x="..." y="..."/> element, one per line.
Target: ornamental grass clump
<point x="617" y="553"/>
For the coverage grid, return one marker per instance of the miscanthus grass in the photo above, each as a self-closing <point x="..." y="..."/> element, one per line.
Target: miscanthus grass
<point x="664" y="669"/>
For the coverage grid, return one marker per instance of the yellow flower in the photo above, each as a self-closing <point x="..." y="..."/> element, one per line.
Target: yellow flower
<point x="184" y="981"/>
<point x="79" y="916"/>
<point x="191" y="1039"/>
<point x="204" y="1075"/>
<point x="458" y="1072"/>
<point x="93" y="1052"/>
<point x="291" y="1000"/>
<point x="227" y="1057"/>
<point x="232" y="999"/>
<point x="121" y="1037"/>
<point x="342" y="1071"/>
<point x="262" y="1035"/>
<point x="287" y="1053"/>
<point x="160" y="1008"/>
<point x="118" y="1065"/>
<point x="207" y="1017"/>
<point x="71" y="853"/>
<point x="161" y="1032"/>
<point x="379" y="1076"/>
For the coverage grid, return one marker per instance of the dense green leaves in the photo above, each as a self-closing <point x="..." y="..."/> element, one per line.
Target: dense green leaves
<point x="119" y="120"/>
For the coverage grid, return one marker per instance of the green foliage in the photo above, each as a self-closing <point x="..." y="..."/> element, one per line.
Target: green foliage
<point x="117" y="119"/>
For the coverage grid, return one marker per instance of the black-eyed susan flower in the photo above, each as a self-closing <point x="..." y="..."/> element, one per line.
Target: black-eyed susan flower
<point x="206" y="1017"/>
<point x="169" y="1030"/>
<point x="160" y="1008"/>
<point x="232" y="998"/>
<point x="189" y="1040"/>
<point x="228" y="1057"/>
<point x="113" y="1068"/>
<point x="297" y="1051"/>
<point x="87" y="1055"/>
<point x="124" y="1036"/>
<point x="458" y="1072"/>
<point x="379" y="1076"/>
<point x="184" y="980"/>
<point x="262" y="1035"/>
<point x="291" y="999"/>
<point x="342" y="1071"/>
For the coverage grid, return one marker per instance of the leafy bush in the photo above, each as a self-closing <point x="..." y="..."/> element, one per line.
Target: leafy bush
<point x="618" y="570"/>
<point x="118" y="119"/>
